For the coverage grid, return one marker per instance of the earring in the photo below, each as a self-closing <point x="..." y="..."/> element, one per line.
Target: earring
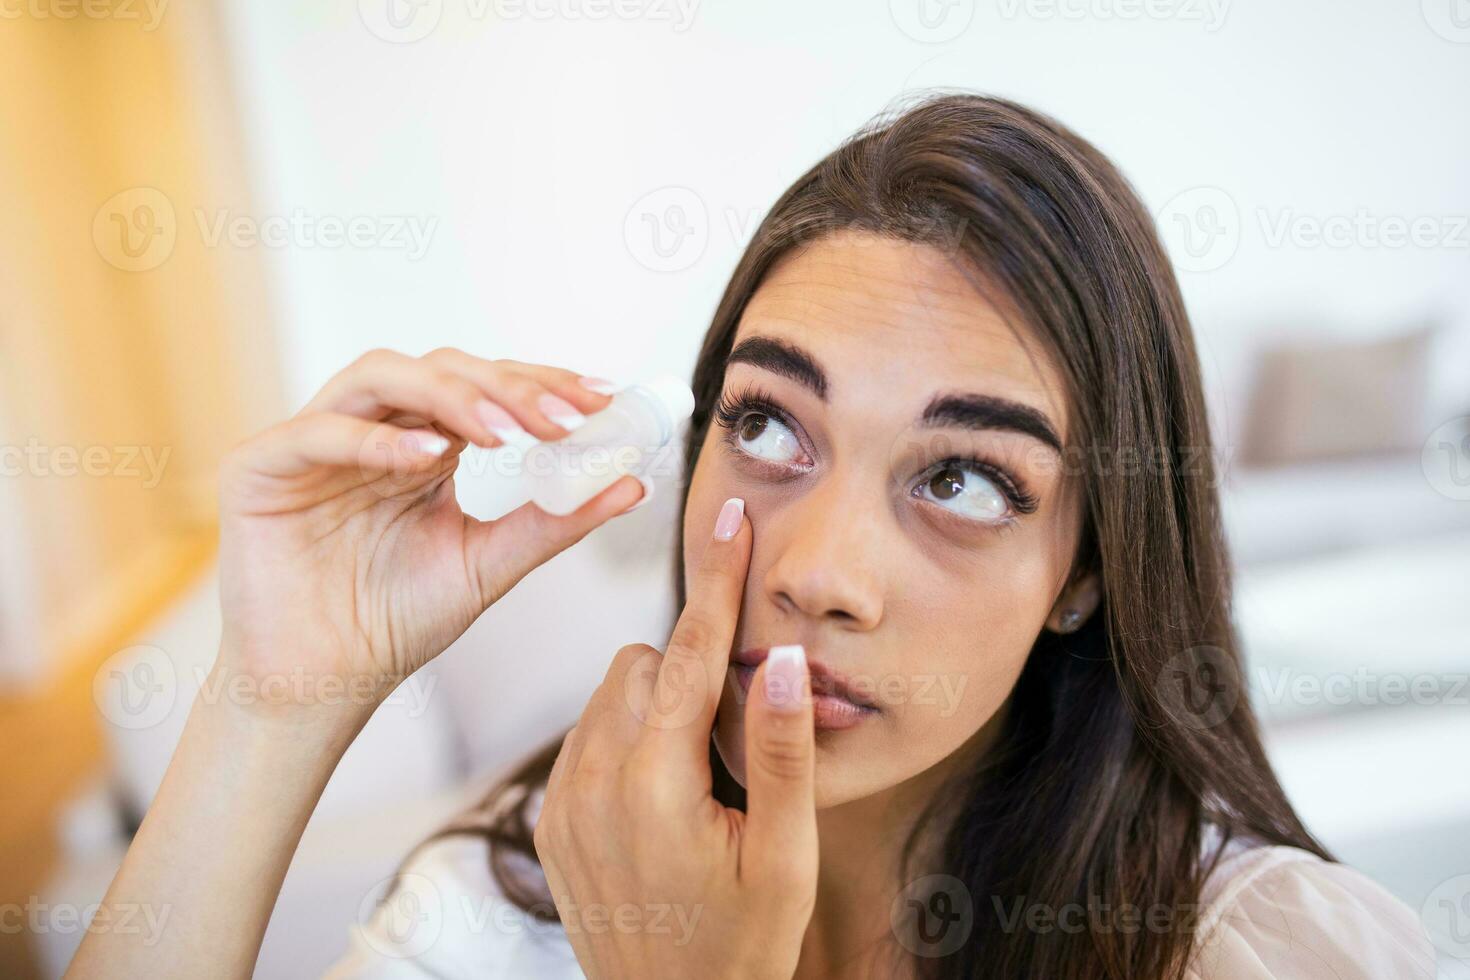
<point x="1071" y="619"/>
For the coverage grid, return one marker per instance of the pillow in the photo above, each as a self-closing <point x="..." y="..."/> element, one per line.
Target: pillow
<point x="1331" y="399"/>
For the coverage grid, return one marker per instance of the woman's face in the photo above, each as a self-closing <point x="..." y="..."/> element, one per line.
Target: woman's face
<point x="912" y="528"/>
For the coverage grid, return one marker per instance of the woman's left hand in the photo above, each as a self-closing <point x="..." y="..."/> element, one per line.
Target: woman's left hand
<point x="651" y="875"/>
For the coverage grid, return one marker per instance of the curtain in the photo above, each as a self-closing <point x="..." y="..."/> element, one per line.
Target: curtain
<point x="132" y="356"/>
<point x="133" y="353"/>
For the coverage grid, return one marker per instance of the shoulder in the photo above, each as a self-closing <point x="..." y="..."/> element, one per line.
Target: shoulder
<point x="447" y="917"/>
<point x="1279" y="912"/>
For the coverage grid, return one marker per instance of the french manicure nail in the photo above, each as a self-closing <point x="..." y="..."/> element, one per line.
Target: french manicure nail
<point x="728" y="523"/>
<point x="785" y="677"/>
<point x="502" y="425"/>
<point x="560" y="411"/>
<point x="600" y="385"/>
<point x="425" y="443"/>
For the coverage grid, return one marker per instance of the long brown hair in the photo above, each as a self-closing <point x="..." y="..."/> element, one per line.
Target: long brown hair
<point x="1099" y="792"/>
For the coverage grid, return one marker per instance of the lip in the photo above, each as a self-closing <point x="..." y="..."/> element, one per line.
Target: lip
<point x="836" y="703"/>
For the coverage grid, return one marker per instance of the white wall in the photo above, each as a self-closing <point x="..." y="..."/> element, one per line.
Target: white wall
<point x="528" y="140"/>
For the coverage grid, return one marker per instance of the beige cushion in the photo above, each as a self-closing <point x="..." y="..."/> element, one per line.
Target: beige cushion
<point x="1317" y="400"/>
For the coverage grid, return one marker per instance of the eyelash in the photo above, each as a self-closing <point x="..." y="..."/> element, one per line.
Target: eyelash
<point x="734" y="407"/>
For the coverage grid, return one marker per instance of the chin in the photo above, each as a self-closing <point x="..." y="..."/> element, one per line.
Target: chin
<point x="836" y="769"/>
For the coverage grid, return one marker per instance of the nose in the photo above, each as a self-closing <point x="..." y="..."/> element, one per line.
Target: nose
<point x="827" y="565"/>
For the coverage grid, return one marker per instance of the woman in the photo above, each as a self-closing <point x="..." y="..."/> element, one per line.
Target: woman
<point x="954" y="692"/>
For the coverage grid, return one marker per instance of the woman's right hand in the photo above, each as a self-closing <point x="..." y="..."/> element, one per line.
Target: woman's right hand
<point x="345" y="565"/>
<point x="346" y="562"/>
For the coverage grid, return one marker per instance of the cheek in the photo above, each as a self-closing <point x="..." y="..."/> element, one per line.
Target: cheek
<point x="708" y="491"/>
<point x="966" y="641"/>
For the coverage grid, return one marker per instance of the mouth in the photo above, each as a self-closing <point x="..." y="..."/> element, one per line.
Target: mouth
<point x="836" y="703"/>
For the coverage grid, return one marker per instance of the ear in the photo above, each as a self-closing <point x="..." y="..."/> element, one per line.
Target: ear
<point x="1078" y="601"/>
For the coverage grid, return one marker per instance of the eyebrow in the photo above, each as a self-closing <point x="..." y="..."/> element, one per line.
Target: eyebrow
<point x="968" y="410"/>
<point x="781" y="358"/>
<point x="975" y="411"/>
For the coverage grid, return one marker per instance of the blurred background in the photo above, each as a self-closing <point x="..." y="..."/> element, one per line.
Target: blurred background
<point x="209" y="206"/>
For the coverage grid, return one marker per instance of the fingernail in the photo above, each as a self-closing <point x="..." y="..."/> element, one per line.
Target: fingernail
<point x="600" y="385"/>
<point x="785" y="677"/>
<point x="647" y="494"/>
<point x="502" y="425"/>
<point x="560" y="411"/>
<point x="425" y="443"/>
<point x="728" y="523"/>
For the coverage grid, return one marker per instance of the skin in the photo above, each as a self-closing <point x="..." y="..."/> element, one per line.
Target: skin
<point x="344" y="554"/>
<point x="874" y="582"/>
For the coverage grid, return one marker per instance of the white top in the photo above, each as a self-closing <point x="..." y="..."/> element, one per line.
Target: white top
<point x="1270" y="913"/>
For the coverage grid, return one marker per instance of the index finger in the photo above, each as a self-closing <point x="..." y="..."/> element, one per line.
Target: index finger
<point x="692" y="674"/>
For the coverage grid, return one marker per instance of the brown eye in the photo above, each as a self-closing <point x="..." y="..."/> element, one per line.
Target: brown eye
<point x="764" y="437"/>
<point x="947" y="484"/>
<point x="962" y="488"/>
<point x="752" y="426"/>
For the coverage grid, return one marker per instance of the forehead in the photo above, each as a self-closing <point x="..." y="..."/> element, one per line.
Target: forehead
<point x="900" y="319"/>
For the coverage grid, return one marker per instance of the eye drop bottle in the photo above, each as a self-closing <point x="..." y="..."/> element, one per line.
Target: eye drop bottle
<point x="633" y="435"/>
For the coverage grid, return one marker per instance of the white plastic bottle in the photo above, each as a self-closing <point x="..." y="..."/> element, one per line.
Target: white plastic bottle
<point x="632" y="435"/>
